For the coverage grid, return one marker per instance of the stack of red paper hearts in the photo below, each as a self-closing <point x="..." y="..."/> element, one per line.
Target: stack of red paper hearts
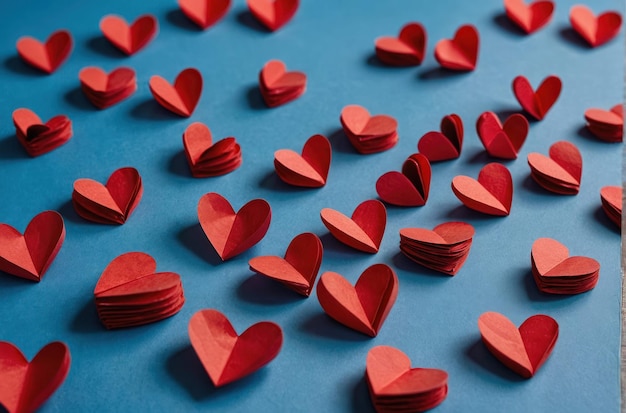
<point x="443" y="249"/>
<point x="607" y="125"/>
<point x="409" y="187"/>
<point x="368" y="134"/>
<point x="561" y="171"/>
<point x="129" y="292"/>
<point x="555" y="272"/>
<point x="279" y="86"/>
<point x="611" y="197"/>
<point x="39" y="138"/>
<point x="206" y="158"/>
<point x="106" y="90"/>
<point x="309" y="170"/>
<point x="407" y="49"/>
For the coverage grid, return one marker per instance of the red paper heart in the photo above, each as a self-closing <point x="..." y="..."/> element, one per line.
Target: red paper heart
<point x="502" y="141"/>
<point x="364" y="231"/>
<point x="38" y="138"/>
<point x="537" y="103"/>
<point x="204" y="13"/>
<point x="461" y="52"/>
<point x="444" y="145"/>
<point x="552" y="259"/>
<point x="25" y="386"/>
<point x="273" y="14"/>
<point x="309" y="169"/>
<point x="181" y="98"/>
<point x="561" y="172"/>
<point x="232" y="233"/>
<point x="298" y="270"/>
<point x="206" y="158"/>
<point x="29" y="255"/>
<point x="129" y="39"/>
<point x="104" y="90"/>
<point x="607" y="125"/>
<point x="523" y="350"/>
<point x="529" y="17"/>
<point x="278" y="86"/>
<point x="408" y="49"/>
<point x="595" y="30"/>
<point x="46" y="56"/>
<point x="226" y="356"/>
<point x="491" y="194"/>
<point x="611" y="197"/>
<point x="409" y="187"/>
<point x="110" y="204"/>
<point x="368" y="134"/>
<point x="363" y="307"/>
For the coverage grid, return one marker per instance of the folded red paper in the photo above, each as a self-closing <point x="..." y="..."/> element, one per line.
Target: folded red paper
<point x="537" y="103"/>
<point x="206" y="158"/>
<point x="364" y="231"/>
<point x="278" y="86"/>
<point x="47" y="56"/>
<point x="104" y="90"/>
<point x="273" y="14"/>
<point x="502" y="140"/>
<point x="408" y="49"/>
<point x="611" y="197"/>
<point x="529" y="17"/>
<point x="607" y="125"/>
<point x="204" y="13"/>
<point x="409" y="187"/>
<point x="368" y="134"/>
<point x="596" y="30"/>
<point x="561" y="171"/>
<point x="444" y="145"/>
<point x="491" y="194"/>
<point x="309" y="169"/>
<point x="460" y="52"/>
<point x="181" y="98"/>
<point x="129" y="38"/>
<point x="38" y="137"/>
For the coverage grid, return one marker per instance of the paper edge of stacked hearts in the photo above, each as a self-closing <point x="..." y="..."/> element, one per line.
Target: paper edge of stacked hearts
<point x="114" y="202"/>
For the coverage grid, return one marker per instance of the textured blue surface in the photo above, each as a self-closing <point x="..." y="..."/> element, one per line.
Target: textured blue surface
<point x="321" y="365"/>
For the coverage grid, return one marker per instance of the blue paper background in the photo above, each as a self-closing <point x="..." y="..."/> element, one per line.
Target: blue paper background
<point x="321" y="365"/>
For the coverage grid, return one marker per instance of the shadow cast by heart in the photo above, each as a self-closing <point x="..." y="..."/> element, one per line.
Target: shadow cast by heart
<point x="505" y="113"/>
<point x="463" y="213"/>
<point x="194" y="239"/>
<point x="149" y="109"/>
<point x="503" y="22"/>
<point x="246" y="18"/>
<point x="77" y="99"/>
<point x="254" y="98"/>
<point x="10" y="148"/>
<point x="585" y="133"/>
<point x="16" y="65"/>
<point x="478" y="353"/>
<point x="530" y="185"/>
<point x="86" y="320"/>
<point x="100" y="45"/>
<point x="336" y="248"/>
<point x="178" y="165"/>
<point x="11" y="281"/>
<point x="321" y="325"/>
<point x="258" y="289"/>
<point x="371" y="59"/>
<point x="401" y="262"/>
<point x="441" y="73"/>
<point x="570" y="36"/>
<point x="177" y="18"/>
<point x="69" y="213"/>
<point x="361" y="402"/>
<point x="340" y="142"/>
<point x="600" y="216"/>
<point x="272" y="182"/>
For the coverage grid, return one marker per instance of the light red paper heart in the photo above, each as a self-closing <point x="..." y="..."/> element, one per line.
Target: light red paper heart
<point x="38" y="138"/>
<point x="529" y="17"/>
<point x="47" y="56"/>
<point x="364" y="231"/>
<point x="363" y="307"/>
<point x="596" y="30"/>
<point x="502" y="140"/>
<point x="226" y="356"/>
<point x="273" y="14"/>
<point x="204" y="13"/>
<point x="409" y="187"/>
<point x="444" y="145"/>
<point x="24" y="385"/>
<point x="552" y="259"/>
<point x="278" y="86"/>
<point x="607" y="125"/>
<point x="206" y="158"/>
<point x="523" y="350"/>
<point x="611" y="197"/>
<point x="561" y="172"/>
<point x="537" y="103"/>
<point x="491" y="194"/>
<point x="129" y="38"/>
<point x="104" y="90"/>
<point x="408" y="49"/>
<point x="368" y="134"/>
<point x="460" y="52"/>
<point x="29" y="255"/>
<point x="181" y="98"/>
<point x="229" y="232"/>
<point x="309" y="169"/>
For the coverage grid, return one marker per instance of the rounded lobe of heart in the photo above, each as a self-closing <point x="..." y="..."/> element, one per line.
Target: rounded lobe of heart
<point x="98" y="80"/>
<point x="531" y="17"/>
<point x="538" y="103"/>
<point x="97" y="193"/>
<point x="364" y="231"/>
<point x="547" y="253"/>
<point x="411" y="41"/>
<point x="216" y="217"/>
<point x="181" y="98"/>
<point x="539" y="334"/>
<point x="204" y="13"/>
<point x="384" y="365"/>
<point x="460" y="53"/>
<point x="475" y="196"/>
<point x="447" y="233"/>
<point x="503" y="141"/>
<point x="574" y="267"/>
<point x="595" y="30"/>
<point x="125" y="188"/>
<point x="604" y="117"/>
<point x="452" y="127"/>
<point x="273" y="14"/>
<point x="48" y="56"/>
<point x="25" y="118"/>
<point x="568" y="156"/>
<point x="357" y="120"/>
<point x="274" y="75"/>
<point x="417" y="169"/>
<point x="155" y="283"/>
<point x="197" y="139"/>
<point x="44" y="237"/>
<point x="14" y="255"/>
<point x="549" y="167"/>
<point x="437" y="147"/>
<point x="317" y="154"/>
<point x="397" y="189"/>
<point x="613" y="196"/>
<point x="297" y="165"/>
<point x="124" y="269"/>
<point x="377" y="289"/>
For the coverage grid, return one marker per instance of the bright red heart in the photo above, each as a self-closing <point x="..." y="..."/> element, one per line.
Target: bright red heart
<point x="48" y="56"/>
<point x="595" y="30"/>
<point x="29" y="255"/>
<point x="460" y="53"/>
<point x="409" y="187"/>
<point x="552" y="259"/>
<point x="408" y="49"/>
<point x="273" y="14"/>
<point x="502" y="141"/>
<point x="363" y="307"/>
<point x="226" y="356"/>
<point x="204" y="13"/>
<point x="181" y="98"/>
<point x="129" y="39"/>
<point x="232" y="233"/>
<point x="38" y="138"/>
<point x="538" y="103"/>
<point x="364" y="231"/>
<point x="206" y="158"/>
<point x="611" y="197"/>
<point x="561" y="172"/>
<point x="529" y="17"/>
<point x="278" y="86"/>
<point x="298" y="270"/>
<point x="25" y="386"/>
<point x="309" y="169"/>
<point x="491" y="194"/>
<point x="357" y="120"/>
<point x="444" y="145"/>
<point x="125" y="269"/>
<point x="104" y="90"/>
<point x="523" y="350"/>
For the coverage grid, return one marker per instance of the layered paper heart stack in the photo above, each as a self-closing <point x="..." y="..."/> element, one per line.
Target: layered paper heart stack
<point x="607" y="125"/>
<point x="396" y="387"/>
<point x="368" y="134"/>
<point x="409" y="187"/>
<point x="309" y="170"/>
<point x="611" y="197"/>
<point x="206" y="158"/>
<point x="408" y="49"/>
<point x="561" y="171"/>
<point x="555" y="272"/>
<point x="363" y="231"/>
<point x="443" y="249"/>
<point x="104" y="90"/>
<point x="38" y="137"/>
<point x="502" y="140"/>
<point x="130" y="293"/>
<point x="278" y="86"/>
<point x="445" y="145"/>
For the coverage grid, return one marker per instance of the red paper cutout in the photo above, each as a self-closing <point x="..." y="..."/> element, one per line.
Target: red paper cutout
<point x="129" y="38"/>
<point x="273" y="14"/>
<point x="206" y="158"/>
<point x="606" y="125"/>
<point x="502" y="141"/>
<point x="523" y="350"/>
<point x="491" y="194"/>
<point x="110" y="204"/>
<point x="47" y="56"/>
<point x="226" y="356"/>
<point x="39" y="138"/>
<point x="409" y="187"/>
<point x="611" y="197"/>
<point x="368" y="134"/>
<point x="279" y="86"/>
<point x="529" y="17"/>
<point x="444" y="145"/>
<point x="364" y="231"/>
<point x="309" y="169"/>
<point x="232" y="233"/>
<point x="363" y="307"/>
<point x="596" y="30"/>
<point x="460" y="52"/>
<point x="204" y="13"/>
<point x="29" y="255"/>
<point x="443" y="249"/>
<point x="26" y="386"/>
<point x="181" y="98"/>
<point x="408" y="49"/>
<point x="298" y="270"/>
<point x="561" y="172"/>
<point x="537" y="103"/>
<point x="555" y="272"/>
<point x="130" y="293"/>
<point x="104" y="90"/>
<point x="394" y="386"/>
